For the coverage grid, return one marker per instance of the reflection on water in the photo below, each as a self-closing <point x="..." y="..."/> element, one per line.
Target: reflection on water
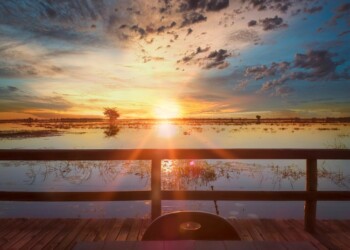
<point x="111" y="131"/>
<point x="174" y="134"/>
<point x="166" y="129"/>
<point x="176" y="174"/>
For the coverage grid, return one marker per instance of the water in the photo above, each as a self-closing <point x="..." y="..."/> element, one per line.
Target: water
<point x="278" y="175"/>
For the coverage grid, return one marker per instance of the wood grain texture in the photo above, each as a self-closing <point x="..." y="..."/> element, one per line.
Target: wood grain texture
<point x="65" y="233"/>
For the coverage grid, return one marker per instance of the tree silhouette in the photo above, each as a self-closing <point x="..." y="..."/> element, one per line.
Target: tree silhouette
<point x="258" y="117"/>
<point x="111" y="131"/>
<point x="112" y="114"/>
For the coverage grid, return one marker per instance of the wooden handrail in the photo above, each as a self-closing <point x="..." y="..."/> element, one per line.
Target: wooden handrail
<point x="156" y="195"/>
<point x="177" y="195"/>
<point x="150" y="154"/>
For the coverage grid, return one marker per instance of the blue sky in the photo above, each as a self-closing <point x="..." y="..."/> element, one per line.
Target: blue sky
<point x="188" y="58"/>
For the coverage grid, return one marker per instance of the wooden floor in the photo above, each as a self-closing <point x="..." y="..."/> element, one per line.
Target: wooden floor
<point x="64" y="233"/>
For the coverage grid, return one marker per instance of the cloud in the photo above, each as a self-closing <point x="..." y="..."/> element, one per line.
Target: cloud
<point x="8" y="90"/>
<point x="273" y="84"/>
<point x="217" y="59"/>
<point x="189" y="57"/>
<point x="313" y="10"/>
<point x="244" y="36"/>
<point x="51" y="19"/>
<point x="315" y="65"/>
<point x="272" y="23"/>
<point x="216" y="5"/>
<point x="152" y="58"/>
<point x="28" y="70"/>
<point x="191" y="5"/>
<point x="283" y="91"/>
<point x="192" y="18"/>
<point x="343" y="8"/>
<point x="242" y="85"/>
<point x="319" y="63"/>
<point x="344" y="33"/>
<point x="261" y="71"/>
<point x="209" y="5"/>
<point x="17" y="100"/>
<point x="262" y="5"/>
<point x="252" y="23"/>
<point x="342" y="12"/>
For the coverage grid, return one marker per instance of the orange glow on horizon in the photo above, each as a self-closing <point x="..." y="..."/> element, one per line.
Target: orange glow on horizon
<point x="167" y="110"/>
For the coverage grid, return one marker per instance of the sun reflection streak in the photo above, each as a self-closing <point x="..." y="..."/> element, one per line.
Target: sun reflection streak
<point x="167" y="130"/>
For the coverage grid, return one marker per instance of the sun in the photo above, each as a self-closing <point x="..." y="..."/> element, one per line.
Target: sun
<point x="167" y="110"/>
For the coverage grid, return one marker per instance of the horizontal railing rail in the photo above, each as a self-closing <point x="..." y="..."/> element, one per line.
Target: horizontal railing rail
<point x="150" y="154"/>
<point x="156" y="194"/>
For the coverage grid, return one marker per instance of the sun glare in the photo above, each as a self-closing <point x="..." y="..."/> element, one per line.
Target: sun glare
<point x="167" y="110"/>
<point x="167" y="130"/>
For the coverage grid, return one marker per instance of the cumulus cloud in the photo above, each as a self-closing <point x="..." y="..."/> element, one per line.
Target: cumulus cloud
<point x="261" y="71"/>
<point x="283" y="91"/>
<point x="342" y="12"/>
<point x="261" y="5"/>
<point x="315" y="65"/>
<point x="252" y="23"/>
<point x="271" y="23"/>
<point x="272" y="84"/>
<point x="319" y="63"/>
<point x="217" y="59"/>
<point x="242" y="85"/>
<point x="192" y="18"/>
<point x="152" y="58"/>
<point x="216" y="5"/>
<point x="244" y="36"/>
<point x="191" y="5"/>
<point x="189" y="57"/>
<point x="344" y="7"/>
<point x="313" y="10"/>
<point x="209" y="5"/>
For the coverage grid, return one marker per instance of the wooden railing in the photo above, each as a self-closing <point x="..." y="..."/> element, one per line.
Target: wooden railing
<point x="156" y="194"/>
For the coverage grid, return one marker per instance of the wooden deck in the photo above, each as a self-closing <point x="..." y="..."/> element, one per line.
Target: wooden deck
<point x="64" y="233"/>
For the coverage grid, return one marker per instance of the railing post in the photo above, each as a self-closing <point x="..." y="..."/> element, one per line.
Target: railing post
<point x="156" y="187"/>
<point x="311" y="203"/>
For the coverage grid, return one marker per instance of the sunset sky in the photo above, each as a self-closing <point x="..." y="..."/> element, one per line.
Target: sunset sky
<point x="185" y="58"/>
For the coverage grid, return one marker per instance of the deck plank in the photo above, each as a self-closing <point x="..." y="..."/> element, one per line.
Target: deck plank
<point x="271" y="229"/>
<point x="145" y="224"/>
<point x="14" y="230"/>
<point x="252" y="229"/>
<point x="65" y="233"/>
<point x="115" y="229"/>
<point x="83" y="233"/>
<point x="19" y="234"/>
<point x="241" y="230"/>
<point x="103" y="229"/>
<point x="62" y="241"/>
<point x="135" y="230"/>
<point x="30" y="233"/>
<point x="46" y="234"/>
<point x="298" y="227"/>
<point x="125" y="229"/>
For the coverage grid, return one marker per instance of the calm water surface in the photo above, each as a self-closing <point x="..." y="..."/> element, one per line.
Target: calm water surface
<point x="176" y="175"/>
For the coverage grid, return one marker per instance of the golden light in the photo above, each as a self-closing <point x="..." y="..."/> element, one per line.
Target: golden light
<point x="167" y="130"/>
<point x="167" y="110"/>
